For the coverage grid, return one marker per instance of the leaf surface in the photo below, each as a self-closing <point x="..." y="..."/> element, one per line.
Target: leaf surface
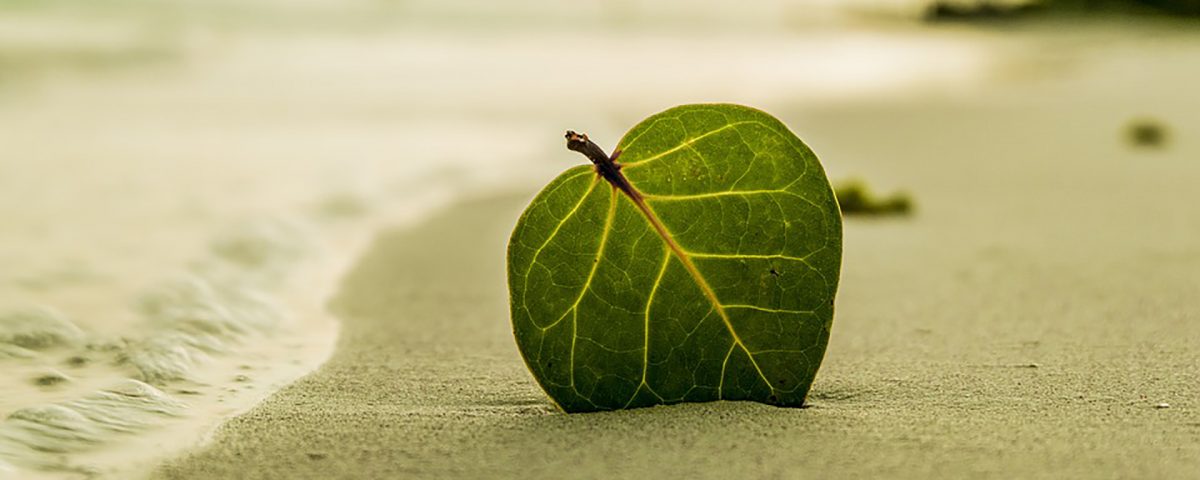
<point x="713" y="279"/>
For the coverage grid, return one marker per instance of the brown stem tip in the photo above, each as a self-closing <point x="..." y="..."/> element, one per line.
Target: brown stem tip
<point x="580" y="142"/>
<point x="607" y="167"/>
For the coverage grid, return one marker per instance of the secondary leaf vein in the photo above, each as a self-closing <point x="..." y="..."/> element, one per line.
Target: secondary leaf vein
<point x="688" y="143"/>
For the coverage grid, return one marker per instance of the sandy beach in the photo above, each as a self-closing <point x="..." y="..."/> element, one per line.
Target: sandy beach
<point x="338" y="184"/>
<point x="987" y="336"/>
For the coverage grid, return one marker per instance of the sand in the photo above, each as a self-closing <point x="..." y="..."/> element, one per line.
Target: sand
<point x="974" y="339"/>
<point x="1035" y="318"/>
<point x="1029" y="320"/>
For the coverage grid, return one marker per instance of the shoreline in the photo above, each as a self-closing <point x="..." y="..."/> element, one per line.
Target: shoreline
<point x="211" y="341"/>
<point x="241" y="321"/>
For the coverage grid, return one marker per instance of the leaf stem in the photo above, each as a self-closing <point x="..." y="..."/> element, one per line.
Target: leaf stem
<point x="606" y="166"/>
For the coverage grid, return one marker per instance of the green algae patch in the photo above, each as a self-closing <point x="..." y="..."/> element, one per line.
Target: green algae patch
<point x="856" y="198"/>
<point x="698" y="263"/>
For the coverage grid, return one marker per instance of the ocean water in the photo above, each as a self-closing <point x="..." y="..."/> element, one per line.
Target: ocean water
<point x="171" y="230"/>
<point x="183" y="183"/>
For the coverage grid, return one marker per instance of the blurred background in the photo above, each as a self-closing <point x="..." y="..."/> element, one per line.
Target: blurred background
<point x="131" y="123"/>
<point x="133" y="133"/>
<point x="132" y="130"/>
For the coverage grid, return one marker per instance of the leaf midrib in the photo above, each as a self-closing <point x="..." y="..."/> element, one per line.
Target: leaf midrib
<point x="668" y="239"/>
<point x="639" y="201"/>
<point x="685" y="259"/>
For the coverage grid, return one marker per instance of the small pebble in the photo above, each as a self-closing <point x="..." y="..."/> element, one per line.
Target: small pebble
<point x="1162" y="405"/>
<point x="241" y="378"/>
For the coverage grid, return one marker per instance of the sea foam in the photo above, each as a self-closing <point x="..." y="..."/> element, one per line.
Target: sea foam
<point x="213" y="308"/>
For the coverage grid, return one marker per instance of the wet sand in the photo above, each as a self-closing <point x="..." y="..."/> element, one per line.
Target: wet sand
<point x="1022" y="336"/>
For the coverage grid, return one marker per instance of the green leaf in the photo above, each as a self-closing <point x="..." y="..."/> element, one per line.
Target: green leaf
<point x="712" y="278"/>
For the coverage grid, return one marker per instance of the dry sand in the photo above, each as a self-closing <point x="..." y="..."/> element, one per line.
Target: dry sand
<point x="1031" y="321"/>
